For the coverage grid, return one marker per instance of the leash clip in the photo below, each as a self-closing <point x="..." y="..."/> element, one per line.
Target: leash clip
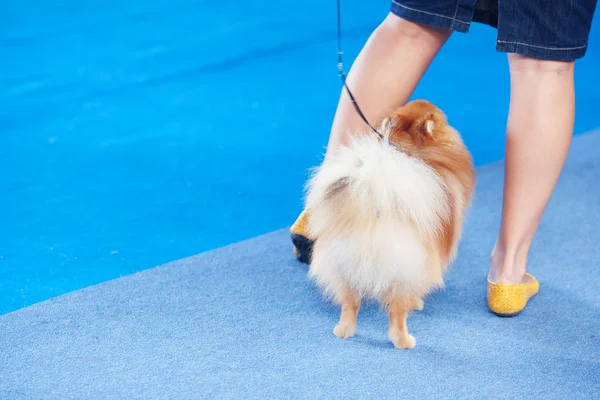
<point x="339" y="64"/>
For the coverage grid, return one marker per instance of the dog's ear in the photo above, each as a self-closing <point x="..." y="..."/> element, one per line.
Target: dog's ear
<point x="425" y="125"/>
<point x="396" y="123"/>
<point x="429" y="127"/>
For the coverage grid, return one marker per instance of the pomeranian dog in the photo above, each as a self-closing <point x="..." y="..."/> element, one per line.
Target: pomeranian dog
<point x="388" y="215"/>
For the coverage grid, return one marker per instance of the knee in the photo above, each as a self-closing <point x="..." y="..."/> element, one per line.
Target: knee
<point x="402" y="29"/>
<point x="527" y="65"/>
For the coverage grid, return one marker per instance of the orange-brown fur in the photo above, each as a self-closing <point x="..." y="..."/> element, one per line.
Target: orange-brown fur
<point x="443" y="150"/>
<point x="420" y="130"/>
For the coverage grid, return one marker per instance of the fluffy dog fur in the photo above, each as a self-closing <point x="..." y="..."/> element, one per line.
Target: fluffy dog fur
<point x="389" y="218"/>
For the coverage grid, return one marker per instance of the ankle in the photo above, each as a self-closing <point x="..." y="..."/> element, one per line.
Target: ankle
<point x="507" y="266"/>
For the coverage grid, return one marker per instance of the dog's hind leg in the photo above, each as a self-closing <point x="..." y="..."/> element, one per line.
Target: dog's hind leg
<point x="398" y="311"/>
<point x="346" y="327"/>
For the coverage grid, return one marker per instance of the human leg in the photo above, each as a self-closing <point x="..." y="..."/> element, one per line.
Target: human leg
<point x="539" y="130"/>
<point x="542" y="54"/>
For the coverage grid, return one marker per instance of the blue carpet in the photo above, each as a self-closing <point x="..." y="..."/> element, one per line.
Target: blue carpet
<point x="243" y="322"/>
<point x="137" y="132"/>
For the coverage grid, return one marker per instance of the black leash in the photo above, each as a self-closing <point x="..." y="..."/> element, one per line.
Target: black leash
<point x="343" y="76"/>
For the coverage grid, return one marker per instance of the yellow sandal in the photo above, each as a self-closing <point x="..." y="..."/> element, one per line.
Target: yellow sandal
<point x="509" y="299"/>
<point x="302" y="243"/>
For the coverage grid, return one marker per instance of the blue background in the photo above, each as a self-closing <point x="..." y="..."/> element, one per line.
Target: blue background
<point x="135" y="133"/>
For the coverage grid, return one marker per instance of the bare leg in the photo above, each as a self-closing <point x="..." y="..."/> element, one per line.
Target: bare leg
<point x="398" y="331"/>
<point x="385" y="73"/>
<point x="539" y="131"/>
<point x="347" y="325"/>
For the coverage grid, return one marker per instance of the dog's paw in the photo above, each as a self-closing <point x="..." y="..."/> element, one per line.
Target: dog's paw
<point x="403" y="341"/>
<point x="344" y="331"/>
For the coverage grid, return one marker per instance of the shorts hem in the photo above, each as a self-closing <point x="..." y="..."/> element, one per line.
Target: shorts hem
<point x="429" y="18"/>
<point x="542" y="52"/>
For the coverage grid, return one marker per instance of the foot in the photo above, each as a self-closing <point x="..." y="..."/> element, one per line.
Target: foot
<point x="510" y="278"/>
<point x="509" y="299"/>
<point x="507" y="269"/>
<point x="402" y="340"/>
<point x="344" y="331"/>
<point x="302" y="244"/>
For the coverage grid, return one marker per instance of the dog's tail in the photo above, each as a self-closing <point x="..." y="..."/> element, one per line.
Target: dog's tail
<point x="370" y="180"/>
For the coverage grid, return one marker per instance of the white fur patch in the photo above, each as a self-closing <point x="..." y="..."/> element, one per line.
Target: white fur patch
<point x="371" y="262"/>
<point x="384" y="182"/>
<point x="373" y="209"/>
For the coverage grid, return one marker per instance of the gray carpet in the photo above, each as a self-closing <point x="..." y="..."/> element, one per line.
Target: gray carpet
<point x="244" y="322"/>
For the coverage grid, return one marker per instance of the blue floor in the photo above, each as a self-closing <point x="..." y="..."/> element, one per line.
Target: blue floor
<point x="243" y="322"/>
<point x="133" y="133"/>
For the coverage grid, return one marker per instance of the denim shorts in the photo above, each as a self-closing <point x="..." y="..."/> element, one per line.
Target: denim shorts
<point x="541" y="29"/>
